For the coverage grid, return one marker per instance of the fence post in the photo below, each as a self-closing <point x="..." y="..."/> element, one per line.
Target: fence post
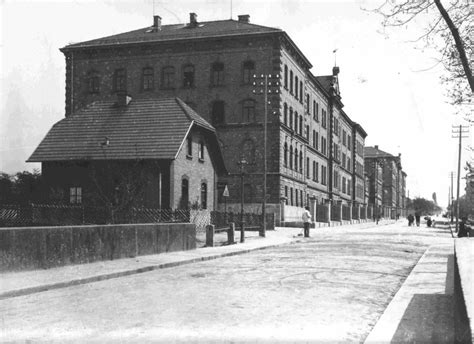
<point x="242" y="232"/>
<point x="210" y="236"/>
<point x="231" y="233"/>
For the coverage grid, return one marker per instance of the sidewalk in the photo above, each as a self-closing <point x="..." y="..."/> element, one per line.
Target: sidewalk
<point x="422" y="309"/>
<point x="14" y="284"/>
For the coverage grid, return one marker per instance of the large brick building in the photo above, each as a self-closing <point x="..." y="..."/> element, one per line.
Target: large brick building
<point x="387" y="182"/>
<point x="314" y="148"/>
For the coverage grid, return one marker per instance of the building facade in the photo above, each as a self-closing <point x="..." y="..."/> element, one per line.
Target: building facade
<point x="387" y="182"/>
<point x="311" y="142"/>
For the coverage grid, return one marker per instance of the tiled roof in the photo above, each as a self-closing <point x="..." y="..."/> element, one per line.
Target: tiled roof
<point x="372" y="152"/>
<point x="325" y="81"/>
<point x="144" y="129"/>
<point x="178" y="32"/>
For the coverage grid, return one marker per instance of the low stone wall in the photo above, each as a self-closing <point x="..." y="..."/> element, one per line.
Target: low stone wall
<point x="45" y="247"/>
<point x="464" y="289"/>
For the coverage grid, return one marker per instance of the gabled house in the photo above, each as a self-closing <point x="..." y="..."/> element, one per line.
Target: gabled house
<point x="156" y="153"/>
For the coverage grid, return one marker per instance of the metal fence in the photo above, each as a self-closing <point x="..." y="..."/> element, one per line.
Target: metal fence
<point x="68" y="215"/>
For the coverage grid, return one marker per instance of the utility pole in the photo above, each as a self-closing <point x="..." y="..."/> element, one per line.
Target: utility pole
<point x="265" y="84"/>
<point x="459" y="132"/>
<point x="451" y="198"/>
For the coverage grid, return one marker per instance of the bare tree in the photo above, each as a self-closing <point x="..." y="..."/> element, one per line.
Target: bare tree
<point x="449" y="29"/>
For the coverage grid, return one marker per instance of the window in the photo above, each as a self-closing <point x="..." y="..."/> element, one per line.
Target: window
<point x="184" y="203"/>
<point x="248" y="71"/>
<point x="301" y="162"/>
<point x="323" y="118"/>
<point x="248" y="110"/>
<point x="167" y="80"/>
<point x="201" y="150"/>
<point x="296" y="197"/>
<point x="286" y="195"/>
<point x="307" y="168"/>
<point x="120" y="80"/>
<point x="307" y="132"/>
<point x="316" y="142"/>
<point x="217" y="74"/>
<point x="147" y="79"/>
<point x="300" y="128"/>
<point x="314" y="139"/>
<point x="291" y="196"/>
<point x="343" y="160"/>
<point x="323" y="175"/>
<point x="188" y="76"/>
<point x="285" y="155"/>
<point x="203" y="196"/>
<point x="349" y="164"/>
<point x="291" y="118"/>
<point x="349" y="187"/>
<point x="296" y="122"/>
<point x="308" y="110"/>
<point x="75" y="195"/>
<point x="189" y="142"/>
<point x="323" y="145"/>
<point x="315" y="111"/>
<point x="217" y="114"/>
<point x="301" y="91"/>
<point x="343" y="185"/>
<point x="286" y="77"/>
<point x="316" y="177"/>
<point x="296" y="87"/>
<point x="314" y="170"/>
<point x="291" y="81"/>
<point x="285" y="114"/>
<point x="343" y="137"/>
<point x="349" y="138"/>
<point x="291" y="157"/>
<point x="301" y="198"/>
<point x="296" y="159"/>
<point x="93" y="82"/>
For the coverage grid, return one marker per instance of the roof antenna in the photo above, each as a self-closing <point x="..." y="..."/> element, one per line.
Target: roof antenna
<point x="334" y="52"/>
<point x="230" y="9"/>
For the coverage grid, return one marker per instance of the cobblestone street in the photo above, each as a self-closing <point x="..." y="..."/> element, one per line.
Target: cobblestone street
<point x="331" y="287"/>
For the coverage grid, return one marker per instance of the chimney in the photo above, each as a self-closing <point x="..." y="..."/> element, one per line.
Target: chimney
<point x="376" y="147"/>
<point x="193" y="19"/>
<point x="156" y="23"/>
<point x="335" y="71"/>
<point x="123" y="99"/>
<point x="244" y="18"/>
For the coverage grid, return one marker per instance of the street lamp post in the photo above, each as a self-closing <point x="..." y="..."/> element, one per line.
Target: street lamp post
<point x="242" y="163"/>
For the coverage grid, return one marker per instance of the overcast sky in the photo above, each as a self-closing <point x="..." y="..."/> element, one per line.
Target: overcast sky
<point x="402" y="108"/>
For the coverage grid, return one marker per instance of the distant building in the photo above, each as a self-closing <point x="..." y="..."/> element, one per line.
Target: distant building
<point x="155" y="153"/>
<point x="387" y="181"/>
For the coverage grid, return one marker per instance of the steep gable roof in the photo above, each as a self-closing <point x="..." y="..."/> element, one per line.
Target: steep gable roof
<point x="219" y="28"/>
<point x="144" y="129"/>
<point x="374" y="152"/>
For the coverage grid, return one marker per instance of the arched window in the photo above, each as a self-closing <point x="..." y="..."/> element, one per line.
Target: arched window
<point x="285" y="154"/>
<point x="248" y="70"/>
<point x="184" y="202"/>
<point x="291" y="118"/>
<point x="147" y="79"/>
<point x="291" y="157"/>
<point x="285" y="114"/>
<point x="217" y="112"/>
<point x="248" y="111"/>
<point x="167" y="77"/>
<point x="188" y="76"/>
<point x="93" y="82"/>
<point x="203" y="196"/>
<point x="217" y="74"/>
<point x="296" y="159"/>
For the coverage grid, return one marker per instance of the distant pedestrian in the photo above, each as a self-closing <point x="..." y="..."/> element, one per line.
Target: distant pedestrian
<point x="410" y="220"/>
<point x="417" y="219"/>
<point x="429" y="222"/>
<point x="306" y="221"/>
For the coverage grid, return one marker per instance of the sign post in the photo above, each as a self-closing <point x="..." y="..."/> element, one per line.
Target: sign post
<point x="225" y="194"/>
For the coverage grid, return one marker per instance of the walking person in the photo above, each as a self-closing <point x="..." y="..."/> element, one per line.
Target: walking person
<point x="410" y="220"/>
<point x="417" y="219"/>
<point x="306" y="221"/>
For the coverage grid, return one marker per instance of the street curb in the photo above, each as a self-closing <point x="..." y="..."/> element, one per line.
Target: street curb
<point x="103" y="277"/>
